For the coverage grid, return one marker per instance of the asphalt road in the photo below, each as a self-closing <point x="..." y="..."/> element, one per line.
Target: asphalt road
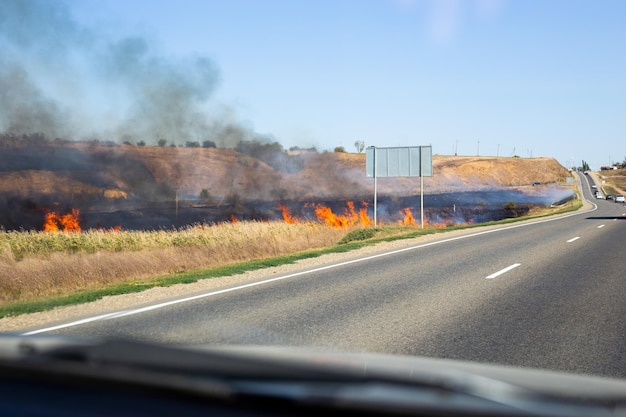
<point x="547" y="294"/>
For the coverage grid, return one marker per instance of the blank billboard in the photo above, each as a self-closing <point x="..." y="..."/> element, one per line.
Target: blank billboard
<point x="412" y="161"/>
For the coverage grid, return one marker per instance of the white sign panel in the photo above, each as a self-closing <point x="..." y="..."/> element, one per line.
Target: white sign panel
<point x="412" y="161"/>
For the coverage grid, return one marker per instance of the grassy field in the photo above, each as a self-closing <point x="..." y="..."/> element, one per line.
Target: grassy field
<point x="41" y="270"/>
<point x="40" y="264"/>
<point x="615" y="181"/>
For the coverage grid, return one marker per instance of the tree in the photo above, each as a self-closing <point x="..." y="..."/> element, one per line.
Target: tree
<point x="162" y="142"/>
<point x="141" y="143"/>
<point x="585" y="166"/>
<point x="297" y="148"/>
<point x="359" y="145"/>
<point x="236" y="202"/>
<point x="206" y="197"/>
<point x="258" y="149"/>
<point x="340" y="149"/>
<point x="209" y="144"/>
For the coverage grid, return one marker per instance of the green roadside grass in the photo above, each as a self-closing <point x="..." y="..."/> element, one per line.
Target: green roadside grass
<point x="353" y="240"/>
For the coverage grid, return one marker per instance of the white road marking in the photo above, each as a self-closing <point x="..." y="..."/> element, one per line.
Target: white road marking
<point x="130" y="312"/>
<point x="74" y="323"/>
<point x="601" y="226"/>
<point x="502" y="271"/>
<point x="573" y="239"/>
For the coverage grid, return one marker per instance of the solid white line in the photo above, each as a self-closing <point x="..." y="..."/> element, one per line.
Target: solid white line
<point x="131" y="312"/>
<point x="601" y="226"/>
<point x="74" y="323"/>
<point x="502" y="271"/>
<point x="573" y="239"/>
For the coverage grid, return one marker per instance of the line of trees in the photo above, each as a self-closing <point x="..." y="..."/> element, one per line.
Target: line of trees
<point x="585" y="166"/>
<point x="268" y="151"/>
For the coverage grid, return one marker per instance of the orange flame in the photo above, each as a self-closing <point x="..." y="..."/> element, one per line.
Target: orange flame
<point x="233" y="219"/>
<point x="115" y="228"/>
<point x="50" y="223"/>
<point x="349" y="217"/>
<point x="331" y="219"/>
<point x="69" y="222"/>
<point x="287" y="217"/>
<point x="407" y="219"/>
<point x="364" y="219"/>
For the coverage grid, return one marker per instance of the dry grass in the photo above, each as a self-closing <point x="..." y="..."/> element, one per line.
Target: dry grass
<point x="38" y="264"/>
<point x="616" y="180"/>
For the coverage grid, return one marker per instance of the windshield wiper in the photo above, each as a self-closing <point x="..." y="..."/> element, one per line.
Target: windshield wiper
<point x="298" y="378"/>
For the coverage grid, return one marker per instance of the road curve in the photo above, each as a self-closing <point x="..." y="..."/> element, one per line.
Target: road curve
<point x="546" y="294"/>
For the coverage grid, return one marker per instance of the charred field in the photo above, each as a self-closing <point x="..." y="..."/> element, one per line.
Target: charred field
<point x="149" y="187"/>
<point x="447" y="208"/>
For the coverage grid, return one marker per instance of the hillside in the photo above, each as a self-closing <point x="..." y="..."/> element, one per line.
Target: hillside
<point x="36" y="178"/>
<point x="613" y="181"/>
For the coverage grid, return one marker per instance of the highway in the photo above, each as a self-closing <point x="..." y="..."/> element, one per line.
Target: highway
<point x="545" y="294"/>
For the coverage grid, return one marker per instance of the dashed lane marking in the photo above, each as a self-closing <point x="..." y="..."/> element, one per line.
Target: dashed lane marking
<point x="502" y="271"/>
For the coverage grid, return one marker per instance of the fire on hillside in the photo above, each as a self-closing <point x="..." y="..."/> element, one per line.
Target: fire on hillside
<point x="68" y="222"/>
<point x="441" y="210"/>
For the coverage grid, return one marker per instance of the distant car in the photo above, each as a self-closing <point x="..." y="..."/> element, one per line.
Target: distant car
<point x="619" y="198"/>
<point x="536" y="183"/>
<point x="609" y="196"/>
<point x="594" y="186"/>
<point x="599" y="196"/>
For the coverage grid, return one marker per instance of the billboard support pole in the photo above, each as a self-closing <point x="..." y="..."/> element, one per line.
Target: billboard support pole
<point x="375" y="196"/>
<point x="421" y="188"/>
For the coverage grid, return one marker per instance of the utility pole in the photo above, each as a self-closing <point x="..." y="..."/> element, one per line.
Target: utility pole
<point x="176" y="198"/>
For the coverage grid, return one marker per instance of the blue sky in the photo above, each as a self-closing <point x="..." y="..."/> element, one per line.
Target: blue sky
<point x="488" y="77"/>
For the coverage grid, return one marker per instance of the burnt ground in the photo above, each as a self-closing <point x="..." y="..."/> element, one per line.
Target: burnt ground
<point x="460" y="207"/>
<point x="134" y="187"/>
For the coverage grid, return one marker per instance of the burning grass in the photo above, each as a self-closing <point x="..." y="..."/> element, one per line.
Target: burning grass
<point x="68" y="222"/>
<point x="38" y="265"/>
<point x="40" y="270"/>
<point x="349" y="217"/>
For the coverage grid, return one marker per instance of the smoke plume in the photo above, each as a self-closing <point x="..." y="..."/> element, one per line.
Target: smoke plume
<point x="65" y="80"/>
